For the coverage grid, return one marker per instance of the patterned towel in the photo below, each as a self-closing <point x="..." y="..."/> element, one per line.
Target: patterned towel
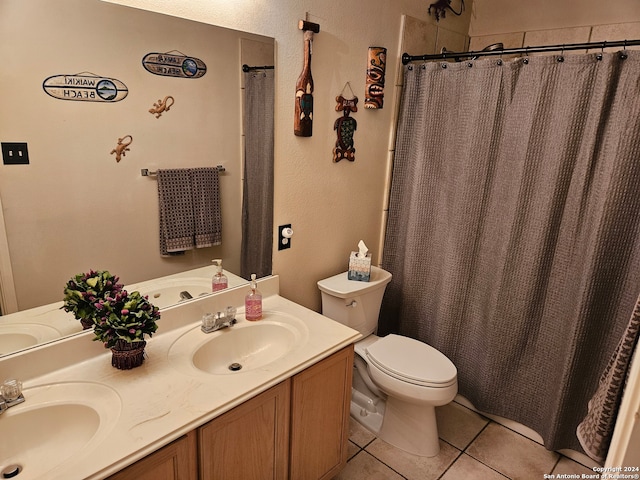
<point x="176" y="210"/>
<point x="596" y="429"/>
<point x="206" y="207"/>
<point x="189" y="205"/>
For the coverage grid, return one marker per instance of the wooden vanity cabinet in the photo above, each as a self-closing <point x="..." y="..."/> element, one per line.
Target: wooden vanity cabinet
<point x="296" y="430"/>
<point x="320" y="404"/>
<point x="174" y="461"/>
<point x="249" y="442"/>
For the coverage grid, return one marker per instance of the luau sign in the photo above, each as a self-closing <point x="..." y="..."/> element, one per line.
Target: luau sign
<point x="174" y="65"/>
<point x="85" y="87"/>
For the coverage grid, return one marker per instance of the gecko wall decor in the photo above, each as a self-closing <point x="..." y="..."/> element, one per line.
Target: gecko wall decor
<point x="161" y="106"/>
<point x="122" y="147"/>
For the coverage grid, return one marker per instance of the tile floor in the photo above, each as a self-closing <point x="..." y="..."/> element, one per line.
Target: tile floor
<point x="471" y="447"/>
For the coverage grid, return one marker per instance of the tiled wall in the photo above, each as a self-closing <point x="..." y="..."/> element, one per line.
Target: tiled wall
<point x="594" y="33"/>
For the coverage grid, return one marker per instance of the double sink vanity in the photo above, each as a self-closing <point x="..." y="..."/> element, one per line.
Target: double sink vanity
<point x="256" y="400"/>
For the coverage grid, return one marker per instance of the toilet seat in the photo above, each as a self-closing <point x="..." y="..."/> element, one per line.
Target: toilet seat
<point x="412" y="361"/>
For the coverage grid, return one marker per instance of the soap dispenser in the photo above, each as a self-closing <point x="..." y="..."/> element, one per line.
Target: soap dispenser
<point x="219" y="280"/>
<point x="253" y="302"/>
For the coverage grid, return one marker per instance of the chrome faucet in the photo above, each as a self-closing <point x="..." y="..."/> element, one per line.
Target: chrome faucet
<point x="213" y="323"/>
<point x="10" y="394"/>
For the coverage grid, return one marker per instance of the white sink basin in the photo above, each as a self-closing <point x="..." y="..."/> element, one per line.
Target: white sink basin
<point x="54" y="423"/>
<point x="23" y="335"/>
<point x="242" y="348"/>
<point x="164" y="293"/>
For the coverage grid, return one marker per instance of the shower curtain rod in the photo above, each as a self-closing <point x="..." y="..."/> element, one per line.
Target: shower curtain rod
<point x="247" y="68"/>
<point x="406" y="58"/>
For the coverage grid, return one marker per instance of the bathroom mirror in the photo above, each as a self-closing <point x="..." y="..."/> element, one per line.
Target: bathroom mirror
<point x="72" y="206"/>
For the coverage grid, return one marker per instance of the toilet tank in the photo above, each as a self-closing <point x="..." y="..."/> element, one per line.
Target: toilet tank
<point x="354" y="303"/>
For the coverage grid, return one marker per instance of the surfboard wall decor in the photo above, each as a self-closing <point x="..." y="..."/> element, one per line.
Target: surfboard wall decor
<point x="85" y="88"/>
<point x="174" y="65"/>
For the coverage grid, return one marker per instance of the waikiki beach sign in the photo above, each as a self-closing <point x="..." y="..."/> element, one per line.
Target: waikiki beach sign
<point x="85" y="87"/>
<point x="174" y="64"/>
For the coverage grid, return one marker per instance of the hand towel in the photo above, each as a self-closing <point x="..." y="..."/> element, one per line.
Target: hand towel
<point x="175" y="202"/>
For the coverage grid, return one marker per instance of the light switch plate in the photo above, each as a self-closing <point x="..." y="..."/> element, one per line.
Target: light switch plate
<point x="15" y="153"/>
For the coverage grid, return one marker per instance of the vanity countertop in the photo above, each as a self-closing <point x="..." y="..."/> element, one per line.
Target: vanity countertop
<point x="167" y="397"/>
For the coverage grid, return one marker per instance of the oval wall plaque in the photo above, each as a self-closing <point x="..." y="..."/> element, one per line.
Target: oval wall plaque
<point x="174" y="65"/>
<point x="85" y="88"/>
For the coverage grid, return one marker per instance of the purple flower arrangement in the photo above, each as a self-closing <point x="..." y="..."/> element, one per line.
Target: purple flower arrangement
<point x="115" y="314"/>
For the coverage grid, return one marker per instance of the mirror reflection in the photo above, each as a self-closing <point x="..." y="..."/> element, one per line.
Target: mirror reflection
<point x="73" y="207"/>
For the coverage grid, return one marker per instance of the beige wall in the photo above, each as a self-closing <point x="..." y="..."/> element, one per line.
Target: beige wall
<point x="74" y="207"/>
<point x="330" y="206"/>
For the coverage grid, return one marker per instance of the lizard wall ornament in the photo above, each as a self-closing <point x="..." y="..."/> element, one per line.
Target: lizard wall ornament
<point x="122" y="147"/>
<point x="162" y="106"/>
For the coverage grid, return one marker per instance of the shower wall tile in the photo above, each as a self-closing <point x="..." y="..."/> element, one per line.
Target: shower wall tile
<point x="557" y="37"/>
<point x="452" y="41"/>
<point x="418" y="38"/>
<point x="620" y="31"/>
<point x="510" y="40"/>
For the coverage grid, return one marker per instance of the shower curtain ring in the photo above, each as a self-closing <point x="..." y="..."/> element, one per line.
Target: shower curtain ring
<point x="600" y="55"/>
<point x="560" y="58"/>
<point x="623" y="54"/>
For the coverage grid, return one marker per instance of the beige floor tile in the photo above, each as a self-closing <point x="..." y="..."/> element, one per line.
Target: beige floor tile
<point x="358" y="434"/>
<point x="352" y="449"/>
<point x="512" y="454"/>
<point x="567" y="466"/>
<point x="411" y="466"/>
<point x="364" y="467"/>
<point x="459" y="425"/>
<point x="469" y="468"/>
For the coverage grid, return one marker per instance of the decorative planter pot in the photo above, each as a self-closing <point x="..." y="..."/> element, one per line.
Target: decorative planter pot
<point x="86" y="323"/>
<point x="127" y="355"/>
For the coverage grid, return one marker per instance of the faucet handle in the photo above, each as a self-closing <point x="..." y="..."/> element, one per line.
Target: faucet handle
<point x="11" y="389"/>
<point x="208" y="321"/>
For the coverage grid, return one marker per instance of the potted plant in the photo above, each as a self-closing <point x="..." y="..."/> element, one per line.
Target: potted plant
<point x="84" y="291"/>
<point x="121" y="323"/>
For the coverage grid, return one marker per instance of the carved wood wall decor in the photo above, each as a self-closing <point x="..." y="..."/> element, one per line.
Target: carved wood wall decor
<point x="374" y="92"/>
<point x="345" y="127"/>
<point x="303" y="120"/>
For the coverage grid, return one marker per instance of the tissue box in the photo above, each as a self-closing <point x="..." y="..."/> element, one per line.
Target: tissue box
<point x="359" y="268"/>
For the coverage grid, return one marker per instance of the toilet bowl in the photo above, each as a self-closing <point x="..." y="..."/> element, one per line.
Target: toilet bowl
<point x="398" y="381"/>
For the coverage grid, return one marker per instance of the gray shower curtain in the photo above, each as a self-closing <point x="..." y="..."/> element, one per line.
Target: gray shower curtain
<point x="257" y="191"/>
<point x="513" y="231"/>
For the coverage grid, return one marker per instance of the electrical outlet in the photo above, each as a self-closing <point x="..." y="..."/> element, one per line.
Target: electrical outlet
<point x="284" y="236"/>
<point x="14" y="153"/>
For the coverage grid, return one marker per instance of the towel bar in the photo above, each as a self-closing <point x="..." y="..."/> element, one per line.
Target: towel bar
<point x="145" y="172"/>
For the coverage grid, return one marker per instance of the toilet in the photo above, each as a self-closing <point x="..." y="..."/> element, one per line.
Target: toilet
<point x="397" y="381"/>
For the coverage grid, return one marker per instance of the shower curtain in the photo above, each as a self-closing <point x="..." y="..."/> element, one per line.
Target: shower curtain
<point x="513" y="230"/>
<point x="257" y="191"/>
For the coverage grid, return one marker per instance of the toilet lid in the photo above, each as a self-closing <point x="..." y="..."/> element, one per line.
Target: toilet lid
<point x="412" y="361"/>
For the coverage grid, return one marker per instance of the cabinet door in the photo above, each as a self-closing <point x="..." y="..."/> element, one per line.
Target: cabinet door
<point x="320" y="403"/>
<point x="249" y="442"/>
<point x="176" y="461"/>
